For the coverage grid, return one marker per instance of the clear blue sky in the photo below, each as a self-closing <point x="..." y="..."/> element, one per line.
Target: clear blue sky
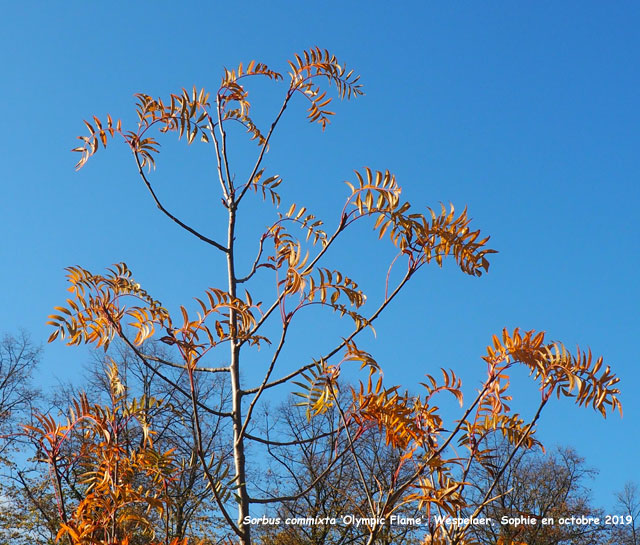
<point x="526" y="112"/>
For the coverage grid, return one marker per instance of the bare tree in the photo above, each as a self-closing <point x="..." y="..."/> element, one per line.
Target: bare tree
<point x="20" y="520"/>
<point x="297" y="460"/>
<point x="627" y="529"/>
<point x="536" y="486"/>
<point x="18" y="359"/>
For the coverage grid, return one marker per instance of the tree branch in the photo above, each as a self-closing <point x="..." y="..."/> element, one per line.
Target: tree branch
<point x="170" y="215"/>
<point x="264" y="147"/>
<point x="184" y="367"/>
<point x="288" y="443"/>
<point x="155" y="371"/>
<point x="333" y="352"/>
<point x="252" y="405"/>
<point x="255" y="265"/>
<point x="212" y="131"/>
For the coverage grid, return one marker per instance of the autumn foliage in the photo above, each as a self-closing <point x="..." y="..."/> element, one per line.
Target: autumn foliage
<point x="126" y="478"/>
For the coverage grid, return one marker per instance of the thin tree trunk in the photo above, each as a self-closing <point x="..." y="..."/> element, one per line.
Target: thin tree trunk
<point x="236" y="390"/>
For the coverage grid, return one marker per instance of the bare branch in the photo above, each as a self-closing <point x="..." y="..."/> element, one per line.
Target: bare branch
<point x="223" y="150"/>
<point x="255" y="265"/>
<point x="170" y="215"/>
<point x="198" y="369"/>
<point x="160" y="375"/>
<point x="264" y="147"/>
<point x="266" y="379"/>
<point x="273" y="443"/>
<point x="216" y="145"/>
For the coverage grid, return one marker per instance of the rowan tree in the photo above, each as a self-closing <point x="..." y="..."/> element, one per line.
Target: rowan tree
<point x="229" y="322"/>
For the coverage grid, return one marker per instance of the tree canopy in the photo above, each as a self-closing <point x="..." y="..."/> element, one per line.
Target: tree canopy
<point x="118" y="475"/>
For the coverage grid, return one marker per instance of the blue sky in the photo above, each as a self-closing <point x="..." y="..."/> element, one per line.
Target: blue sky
<point x="525" y="112"/>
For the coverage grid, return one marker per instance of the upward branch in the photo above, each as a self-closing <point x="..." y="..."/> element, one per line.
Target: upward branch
<point x="171" y="216"/>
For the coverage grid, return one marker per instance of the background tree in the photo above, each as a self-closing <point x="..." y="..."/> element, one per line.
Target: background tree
<point x="628" y="504"/>
<point x="186" y="510"/>
<point x="189" y="511"/>
<point x="19" y="521"/>
<point x="103" y="307"/>
<point x="121" y="484"/>
<point x="18" y="359"/>
<point x="305" y="447"/>
<point x="539" y="485"/>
